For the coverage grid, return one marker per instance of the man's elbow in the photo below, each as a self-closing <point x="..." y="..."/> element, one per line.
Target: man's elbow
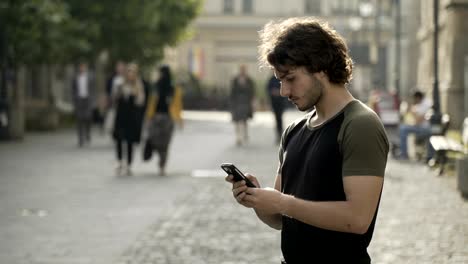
<point x="277" y="226"/>
<point x="360" y="226"/>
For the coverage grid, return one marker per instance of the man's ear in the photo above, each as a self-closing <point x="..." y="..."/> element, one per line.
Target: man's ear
<point x="322" y="76"/>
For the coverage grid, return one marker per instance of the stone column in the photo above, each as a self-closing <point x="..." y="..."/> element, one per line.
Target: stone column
<point x="453" y="52"/>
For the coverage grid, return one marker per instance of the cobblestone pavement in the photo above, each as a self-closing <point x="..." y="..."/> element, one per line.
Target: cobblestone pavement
<point x="63" y="204"/>
<point x="89" y="215"/>
<point x="422" y="219"/>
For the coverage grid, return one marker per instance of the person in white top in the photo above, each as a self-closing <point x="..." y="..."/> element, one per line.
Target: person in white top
<point x="421" y="127"/>
<point x="83" y="101"/>
<point x="117" y="79"/>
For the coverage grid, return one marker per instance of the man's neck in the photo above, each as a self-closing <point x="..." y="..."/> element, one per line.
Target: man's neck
<point x="333" y="100"/>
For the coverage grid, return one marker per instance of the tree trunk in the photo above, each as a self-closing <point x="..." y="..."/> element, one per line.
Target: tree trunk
<point x="17" y="122"/>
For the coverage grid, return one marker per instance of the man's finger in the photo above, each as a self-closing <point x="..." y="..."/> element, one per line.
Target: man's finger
<point x="247" y="203"/>
<point x="249" y="198"/>
<point x="251" y="191"/>
<point x="240" y="197"/>
<point x="229" y="178"/>
<point x="238" y="184"/>
<point x="253" y="179"/>
<point x="239" y="190"/>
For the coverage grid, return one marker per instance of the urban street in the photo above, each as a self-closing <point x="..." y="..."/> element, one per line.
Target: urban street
<point x="64" y="204"/>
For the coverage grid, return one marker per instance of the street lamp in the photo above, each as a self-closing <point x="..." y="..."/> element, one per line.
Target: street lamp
<point x="436" y="116"/>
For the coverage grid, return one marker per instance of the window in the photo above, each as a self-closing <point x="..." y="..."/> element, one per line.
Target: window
<point x="228" y="6"/>
<point x="345" y="7"/>
<point x="312" y="7"/>
<point x="247" y="6"/>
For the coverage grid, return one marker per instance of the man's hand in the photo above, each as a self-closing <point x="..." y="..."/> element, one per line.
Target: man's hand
<point x="266" y="200"/>
<point x="239" y="188"/>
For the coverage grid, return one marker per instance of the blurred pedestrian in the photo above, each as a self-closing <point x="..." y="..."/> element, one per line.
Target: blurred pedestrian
<point x="128" y="99"/>
<point x="241" y="99"/>
<point x="177" y="106"/>
<point x="278" y="104"/>
<point x="113" y="82"/>
<point x="160" y="123"/>
<point x="83" y="94"/>
<point x="332" y="161"/>
<point x="419" y="125"/>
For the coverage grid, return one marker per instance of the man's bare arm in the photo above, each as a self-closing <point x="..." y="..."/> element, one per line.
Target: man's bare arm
<point x="353" y="215"/>
<point x="272" y="220"/>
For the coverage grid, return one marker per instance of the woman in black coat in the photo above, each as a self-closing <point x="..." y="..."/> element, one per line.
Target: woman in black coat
<point x="129" y="98"/>
<point x="161" y="124"/>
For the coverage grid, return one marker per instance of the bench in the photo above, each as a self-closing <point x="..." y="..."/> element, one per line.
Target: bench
<point x="443" y="145"/>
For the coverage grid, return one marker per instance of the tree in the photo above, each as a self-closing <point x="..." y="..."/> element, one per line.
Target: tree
<point x="60" y="31"/>
<point x="36" y="31"/>
<point x="135" y="30"/>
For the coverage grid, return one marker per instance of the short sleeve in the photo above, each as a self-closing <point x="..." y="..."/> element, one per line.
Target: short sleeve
<point x="364" y="145"/>
<point x="286" y="136"/>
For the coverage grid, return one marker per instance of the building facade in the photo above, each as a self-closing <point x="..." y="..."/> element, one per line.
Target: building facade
<point x="404" y="49"/>
<point x="226" y="35"/>
<point x="452" y="59"/>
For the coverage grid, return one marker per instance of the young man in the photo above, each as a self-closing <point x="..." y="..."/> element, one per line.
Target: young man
<point x="332" y="161"/>
<point x="83" y="94"/>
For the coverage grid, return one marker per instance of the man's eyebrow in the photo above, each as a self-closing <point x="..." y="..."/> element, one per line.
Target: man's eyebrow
<point x="281" y="76"/>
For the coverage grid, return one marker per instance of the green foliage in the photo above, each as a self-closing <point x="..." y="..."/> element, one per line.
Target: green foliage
<point x="58" y="31"/>
<point x="34" y="30"/>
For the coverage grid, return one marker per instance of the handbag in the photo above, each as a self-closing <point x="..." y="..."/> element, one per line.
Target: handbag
<point x="109" y="121"/>
<point x="147" y="150"/>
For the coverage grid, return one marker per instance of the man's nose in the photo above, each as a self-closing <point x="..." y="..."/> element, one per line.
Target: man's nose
<point x="285" y="90"/>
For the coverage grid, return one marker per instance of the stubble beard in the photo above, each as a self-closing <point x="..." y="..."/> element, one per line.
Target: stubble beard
<point x="316" y="90"/>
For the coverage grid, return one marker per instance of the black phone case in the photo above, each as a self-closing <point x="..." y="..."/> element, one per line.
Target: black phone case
<point x="230" y="168"/>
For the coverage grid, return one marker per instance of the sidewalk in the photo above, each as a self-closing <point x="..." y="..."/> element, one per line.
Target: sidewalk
<point x="422" y="219"/>
<point x="87" y="215"/>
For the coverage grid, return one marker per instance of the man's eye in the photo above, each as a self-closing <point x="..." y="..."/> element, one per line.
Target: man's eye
<point x="290" y="79"/>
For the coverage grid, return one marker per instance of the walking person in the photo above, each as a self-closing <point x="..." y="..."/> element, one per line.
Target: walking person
<point x="159" y="120"/>
<point x="83" y="93"/>
<point x="113" y="82"/>
<point x="331" y="162"/>
<point x="241" y="99"/>
<point x="177" y="106"/>
<point x="128" y="99"/>
<point x="277" y="104"/>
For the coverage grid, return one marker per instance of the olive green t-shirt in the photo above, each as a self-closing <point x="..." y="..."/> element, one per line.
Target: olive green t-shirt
<point x="313" y="162"/>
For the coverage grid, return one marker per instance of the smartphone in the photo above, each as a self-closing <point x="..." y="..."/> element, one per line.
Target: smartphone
<point x="231" y="169"/>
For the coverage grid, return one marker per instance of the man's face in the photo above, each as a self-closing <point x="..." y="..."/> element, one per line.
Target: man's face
<point x="120" y="68"/>
<point x="243" y="70"/>
<point x="417" y="100"/>
<point x="301" y="87"/>
<point x="83" y="67"/>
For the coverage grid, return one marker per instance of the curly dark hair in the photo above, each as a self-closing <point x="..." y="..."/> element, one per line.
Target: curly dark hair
<point x="307" y="42"/>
